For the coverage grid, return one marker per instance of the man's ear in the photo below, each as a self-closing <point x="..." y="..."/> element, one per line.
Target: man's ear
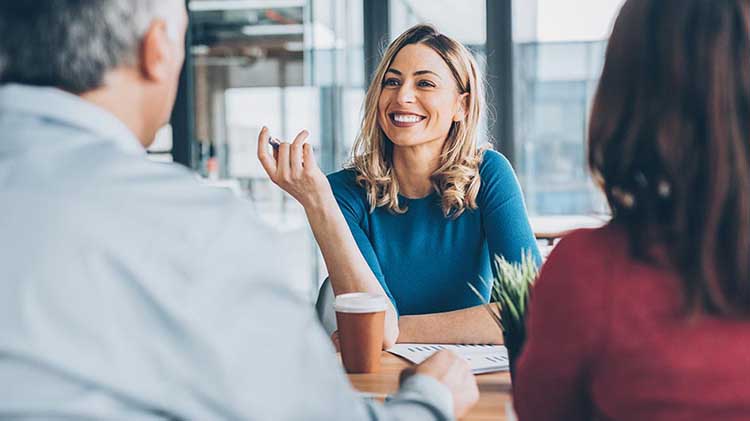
<point x="156" y="52"/>
<point x="463" y="107"/>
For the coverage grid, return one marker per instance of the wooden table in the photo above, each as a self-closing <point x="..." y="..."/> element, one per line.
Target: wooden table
<point x="494" y="388"/>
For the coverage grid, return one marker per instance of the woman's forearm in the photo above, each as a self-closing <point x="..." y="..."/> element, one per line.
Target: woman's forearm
<point x="468" y="326"/>
<point x="293" y="168"/>
<point x="347" y="268"/>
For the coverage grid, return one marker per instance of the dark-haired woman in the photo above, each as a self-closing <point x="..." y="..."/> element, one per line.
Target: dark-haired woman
<point x="648" y="318"/>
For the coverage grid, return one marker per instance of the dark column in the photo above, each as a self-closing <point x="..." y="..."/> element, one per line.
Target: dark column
<point x="182" y="120"/>
<point x="376" y="30"/>
<point x="500" y="74"/>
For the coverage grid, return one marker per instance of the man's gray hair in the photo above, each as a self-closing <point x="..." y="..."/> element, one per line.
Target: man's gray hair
<point x="72" y="44"/>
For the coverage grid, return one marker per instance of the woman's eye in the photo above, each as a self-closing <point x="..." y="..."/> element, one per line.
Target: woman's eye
<point x="391" y="82"/>
<point x="426" y="84"/>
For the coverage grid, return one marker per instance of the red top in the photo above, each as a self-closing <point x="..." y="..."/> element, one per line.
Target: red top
<point x="607" y="341"/>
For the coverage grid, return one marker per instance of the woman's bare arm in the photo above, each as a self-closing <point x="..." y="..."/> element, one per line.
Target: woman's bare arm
<point x="347" y="268"/>
<point x="468" y="326"/>
<point x="293" y="168"/>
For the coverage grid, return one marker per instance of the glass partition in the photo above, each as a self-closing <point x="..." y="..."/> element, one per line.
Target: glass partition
<point x="559" y="52"/>
<point x="294" y="64"/>
<point x="286" y="64"/>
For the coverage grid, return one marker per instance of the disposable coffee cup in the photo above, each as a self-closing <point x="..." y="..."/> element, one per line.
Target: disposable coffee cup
<point x="360" y="317"/>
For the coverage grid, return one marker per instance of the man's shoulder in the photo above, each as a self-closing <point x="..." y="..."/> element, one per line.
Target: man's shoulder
<point x="138" y="188"/>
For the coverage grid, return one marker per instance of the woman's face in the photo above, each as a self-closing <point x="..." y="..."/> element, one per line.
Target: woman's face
<point x="420" y="98"/>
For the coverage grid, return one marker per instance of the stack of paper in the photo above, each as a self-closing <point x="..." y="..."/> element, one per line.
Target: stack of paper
<point x="481" y="358"/>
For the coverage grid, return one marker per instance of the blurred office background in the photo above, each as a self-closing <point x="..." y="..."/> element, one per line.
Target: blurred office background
<point x="294" y="64"/>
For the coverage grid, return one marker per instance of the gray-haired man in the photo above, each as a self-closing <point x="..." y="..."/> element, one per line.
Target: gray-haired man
<point x="127" y="291"/>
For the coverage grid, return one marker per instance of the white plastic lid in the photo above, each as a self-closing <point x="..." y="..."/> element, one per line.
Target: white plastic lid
<point x="360" y="302"/>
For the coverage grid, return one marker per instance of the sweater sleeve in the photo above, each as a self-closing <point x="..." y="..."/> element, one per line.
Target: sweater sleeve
<point x="566" y="322"/>
<point x="351" y="200"/>
<point x="504" y="217"/>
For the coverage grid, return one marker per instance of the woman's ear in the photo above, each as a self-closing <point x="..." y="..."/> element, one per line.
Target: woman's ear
<point x="463" y="107"/>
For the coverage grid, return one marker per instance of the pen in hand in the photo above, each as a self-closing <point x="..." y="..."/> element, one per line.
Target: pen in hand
<point x="274" y="142"/>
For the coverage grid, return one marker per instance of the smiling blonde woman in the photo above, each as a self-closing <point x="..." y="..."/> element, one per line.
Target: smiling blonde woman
<point x="456" y="178"/>
<point x="421" y="209"/>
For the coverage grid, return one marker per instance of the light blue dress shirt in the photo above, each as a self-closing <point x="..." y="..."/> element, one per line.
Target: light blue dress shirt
<point x="129" y="291"/>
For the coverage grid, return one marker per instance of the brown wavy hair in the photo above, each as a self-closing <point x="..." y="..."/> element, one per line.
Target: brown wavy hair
<point x="669" y="142"/>
<point x="457" y="178"/>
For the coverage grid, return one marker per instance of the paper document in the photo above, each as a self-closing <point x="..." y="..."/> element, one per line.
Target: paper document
<point x="481" y="358"/>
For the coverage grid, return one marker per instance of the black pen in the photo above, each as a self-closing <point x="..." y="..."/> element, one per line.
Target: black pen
<point x="275" y="143"/>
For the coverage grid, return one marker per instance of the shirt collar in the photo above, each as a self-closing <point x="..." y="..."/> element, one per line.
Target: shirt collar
<point x="56" y="104"/>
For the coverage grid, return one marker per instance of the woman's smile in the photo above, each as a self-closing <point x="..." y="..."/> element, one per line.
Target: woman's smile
<point x="405" y="119"/>
<point x="420" y="99"/>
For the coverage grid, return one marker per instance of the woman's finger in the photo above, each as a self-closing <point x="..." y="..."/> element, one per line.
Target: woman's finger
<point x="308" y="157"/>
<point x="301" y="137"/>
<point x="297" y="153"/>
<point x="283" y="168"/>
<point x="268" y="162"/>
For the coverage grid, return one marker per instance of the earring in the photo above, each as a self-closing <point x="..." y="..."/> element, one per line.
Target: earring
<point x="626" y="199"/>
<point x="664" y="189"/>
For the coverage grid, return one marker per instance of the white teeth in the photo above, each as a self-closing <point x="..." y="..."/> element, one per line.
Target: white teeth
<point x="406" y="118"/>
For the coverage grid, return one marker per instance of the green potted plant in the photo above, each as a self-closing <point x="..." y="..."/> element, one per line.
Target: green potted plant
<point x="509" y="300"/>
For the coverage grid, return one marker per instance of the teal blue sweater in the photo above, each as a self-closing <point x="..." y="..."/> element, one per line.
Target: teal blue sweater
<point x="424" y="260"/>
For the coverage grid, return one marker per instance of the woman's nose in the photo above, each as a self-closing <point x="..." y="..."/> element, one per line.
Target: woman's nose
<point x="406" y="94"/>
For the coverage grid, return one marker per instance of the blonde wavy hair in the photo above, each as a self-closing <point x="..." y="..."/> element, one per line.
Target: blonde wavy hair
<point x="457" y="178"/>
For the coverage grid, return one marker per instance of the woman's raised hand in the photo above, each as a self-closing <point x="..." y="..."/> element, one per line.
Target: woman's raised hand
<point x="293" y="168"/>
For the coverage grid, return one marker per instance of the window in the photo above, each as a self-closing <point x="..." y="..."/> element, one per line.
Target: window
<point x="294" y="64"/>
<point x="558" y="55"/>
<point x="559" y="52"/>
<point x="286" y="64"/>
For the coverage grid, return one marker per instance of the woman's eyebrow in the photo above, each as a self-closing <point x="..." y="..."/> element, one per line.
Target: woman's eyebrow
<point x="417" y="73"/>
<point x="424" y="72"/>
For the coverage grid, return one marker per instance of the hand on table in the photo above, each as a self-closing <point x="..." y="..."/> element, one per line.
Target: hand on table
<point x="455" y="373"/>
